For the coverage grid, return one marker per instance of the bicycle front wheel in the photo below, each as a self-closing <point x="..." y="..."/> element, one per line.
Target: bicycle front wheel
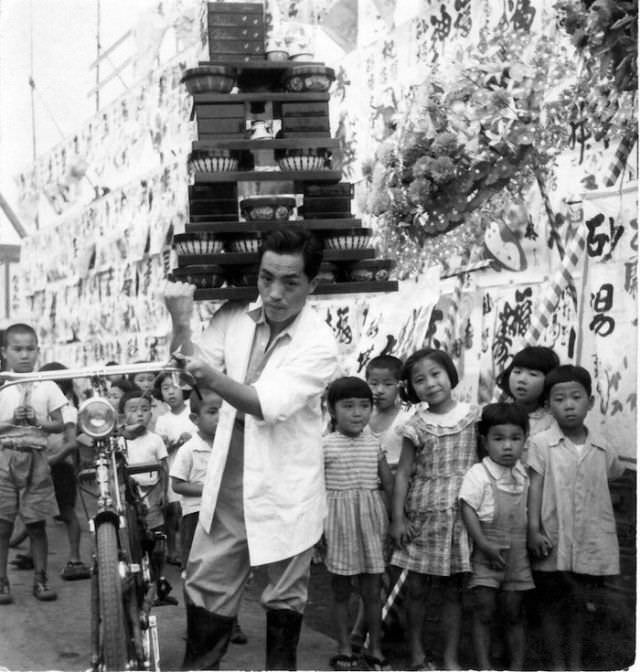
<point x="113" y="635"/>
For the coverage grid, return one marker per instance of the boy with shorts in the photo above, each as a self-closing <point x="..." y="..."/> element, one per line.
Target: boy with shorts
<point x="29" y="412"/>
<point x="145" y="447"/>
<point x="572" y="529"/>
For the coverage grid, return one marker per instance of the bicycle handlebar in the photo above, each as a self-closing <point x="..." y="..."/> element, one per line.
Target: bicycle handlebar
<point x="8" y="378"/>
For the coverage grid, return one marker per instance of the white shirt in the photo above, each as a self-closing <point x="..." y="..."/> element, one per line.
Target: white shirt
<point x="476" y="488"/>
<point x="391" y="438"/>
<point x="283" y="482"/>
<point x="146" y="448"/>
<point x="44" y="396"/>
<point x="190" y="465"/>
<point x="171" y="425"/>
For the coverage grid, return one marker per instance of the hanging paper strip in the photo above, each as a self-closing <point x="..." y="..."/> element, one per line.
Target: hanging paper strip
<point x="561" y="279"/>
<point x="620" y="158"/>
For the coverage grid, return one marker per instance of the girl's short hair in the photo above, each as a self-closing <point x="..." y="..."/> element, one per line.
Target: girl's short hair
<point x="536" y="357"/>
<point x="503" y="414"/>
<point x="567" y="374"/>
<point x="347" y="387"/>
<point x="407" y="393"/>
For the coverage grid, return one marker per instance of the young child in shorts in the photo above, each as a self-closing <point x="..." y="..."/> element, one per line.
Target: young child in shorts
<point x="143" y="447"/>
<point x="29" y="412"/>
<point x="189" y="469"/>
<point x="175" y="427"/>
<point x="572" y="528"/>
<point x="493" y="499"/>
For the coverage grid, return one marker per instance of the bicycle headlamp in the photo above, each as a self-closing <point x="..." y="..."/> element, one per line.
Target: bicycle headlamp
<point x="97" y="418"/>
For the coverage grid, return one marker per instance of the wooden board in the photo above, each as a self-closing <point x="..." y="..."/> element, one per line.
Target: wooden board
<point x="270" y="225"/>
<point x="244" y="259"/>
<point x="323" y="290"/>
<point x="271" y="176"/>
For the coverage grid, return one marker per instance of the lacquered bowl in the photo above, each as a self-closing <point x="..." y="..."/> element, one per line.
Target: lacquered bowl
<point x="197" y="243"/>
<point x="210" y="79"/>
<point x="212" y="161"/>
<point x="349" y="239"/>
<point x="277" y="208"/>
<point x="248" y="243"/>
<point x="308" y="78"/>
<point x="203" y="277"/>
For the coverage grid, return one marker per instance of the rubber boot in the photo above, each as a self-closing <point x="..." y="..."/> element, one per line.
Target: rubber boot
<point x="283" y="632"/>
<point x="208" y="636"/>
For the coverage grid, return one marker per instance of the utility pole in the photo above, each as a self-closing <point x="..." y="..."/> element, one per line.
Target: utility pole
<point x="98" y="50"/>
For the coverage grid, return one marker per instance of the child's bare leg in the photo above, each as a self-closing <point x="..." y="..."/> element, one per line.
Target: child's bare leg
<point x="370" y="592"/>
<point x="5" y="534"/>
<point x="552" y="626"/>
<point x="39" y="546"/>
<point x="514" y="622"/>
<point x="341" y="586"/>
<point x="359" y="628"/>
<point x="19" y="533"/>
<point x="451" y="622"/>
<point x="68" y="515"/>
<point x="484" y="607"/>
<point x="416" y="609"/>
<point x="575" y="627"/>
<point x="172" y="520"/>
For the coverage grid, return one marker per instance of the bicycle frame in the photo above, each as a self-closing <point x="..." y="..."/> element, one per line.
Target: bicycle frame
<point x="124" y="635"/>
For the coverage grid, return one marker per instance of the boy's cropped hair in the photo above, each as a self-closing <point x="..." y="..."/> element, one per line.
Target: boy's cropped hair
<point x="386" y="362"/>
<point x="18" y="328"/>
<point x="134" y="393"/>
<point x="537" y="357"/>
<point x="124" y="385"/>
<point x="503" y="414"/>
<point x="348" y="387"/>
<point x="567" y="373"/>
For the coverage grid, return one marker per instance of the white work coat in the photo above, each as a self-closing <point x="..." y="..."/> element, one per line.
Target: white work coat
<point x="283" y="482"/>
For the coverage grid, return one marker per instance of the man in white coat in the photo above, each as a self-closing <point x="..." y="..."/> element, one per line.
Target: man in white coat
<point x="263" y="499"/>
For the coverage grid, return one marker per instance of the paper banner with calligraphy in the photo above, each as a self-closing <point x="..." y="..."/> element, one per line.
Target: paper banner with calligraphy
<point x="397" y="323"/>
<point x="609" y="325"/>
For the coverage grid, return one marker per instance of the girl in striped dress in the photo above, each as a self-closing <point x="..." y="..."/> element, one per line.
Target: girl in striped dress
<point x="431" y="541"/>
<point x="356" y="524"/>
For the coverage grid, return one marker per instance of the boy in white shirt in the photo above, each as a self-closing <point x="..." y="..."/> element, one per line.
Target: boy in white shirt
<point x="189" y="470"/>
<point x="175" y="427"/>
<point x="145" y="447"/>
<point x="493" y="500"/>
<point x="29" y="412"/>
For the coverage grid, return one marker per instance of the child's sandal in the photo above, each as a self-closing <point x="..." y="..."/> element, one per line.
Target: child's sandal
<point x="342" y="662"/>
<point x="375" y="663"/>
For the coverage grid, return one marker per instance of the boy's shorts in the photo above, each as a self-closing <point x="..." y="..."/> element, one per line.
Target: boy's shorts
<point x="26" y="486"/>
<point x="64" y="484"/>
<point x="153" y="499"/>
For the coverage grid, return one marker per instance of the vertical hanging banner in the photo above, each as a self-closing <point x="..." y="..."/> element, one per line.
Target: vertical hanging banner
<point x="610" y="318"/>
<point x="397" y="323"/>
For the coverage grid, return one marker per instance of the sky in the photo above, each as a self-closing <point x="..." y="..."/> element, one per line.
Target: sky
<point x="63" y="34"/>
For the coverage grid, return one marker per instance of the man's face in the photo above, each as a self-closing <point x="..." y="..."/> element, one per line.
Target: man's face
<point x="21" y="352"/>
<point x="283" y="287"/>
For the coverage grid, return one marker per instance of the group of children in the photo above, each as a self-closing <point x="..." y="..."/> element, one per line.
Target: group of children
<point x="496" y="501"/>
<point x="491" y="502"/>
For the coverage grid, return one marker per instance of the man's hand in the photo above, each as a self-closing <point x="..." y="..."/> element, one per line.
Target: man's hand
<point x="178" y="298"/>
<point x="202" y="373"/>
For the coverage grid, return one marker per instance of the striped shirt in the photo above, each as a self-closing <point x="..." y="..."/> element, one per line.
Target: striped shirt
<point x="351" y="463"/>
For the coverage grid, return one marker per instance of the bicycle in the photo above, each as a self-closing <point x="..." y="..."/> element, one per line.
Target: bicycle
<point x="124" y="634"/>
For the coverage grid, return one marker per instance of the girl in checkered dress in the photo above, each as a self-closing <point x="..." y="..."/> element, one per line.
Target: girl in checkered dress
<point x="431" y="541"/>
<point x="356" y="524"/>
